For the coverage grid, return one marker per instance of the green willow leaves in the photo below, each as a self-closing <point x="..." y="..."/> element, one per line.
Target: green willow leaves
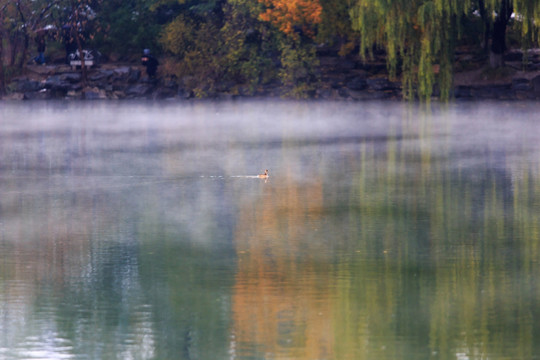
<point x="420" y="36"/>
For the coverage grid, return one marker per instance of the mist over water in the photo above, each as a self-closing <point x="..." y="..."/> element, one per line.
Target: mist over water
<point x="384" y="231"/>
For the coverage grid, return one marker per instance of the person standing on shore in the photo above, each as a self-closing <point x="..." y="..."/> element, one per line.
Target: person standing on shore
<point x="40" y="42"/>
<point x="69" y="42"/>
<point x="150" y="62"/>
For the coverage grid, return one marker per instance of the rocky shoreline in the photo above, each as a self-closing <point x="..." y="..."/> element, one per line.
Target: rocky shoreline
<point x="348" y="79"/>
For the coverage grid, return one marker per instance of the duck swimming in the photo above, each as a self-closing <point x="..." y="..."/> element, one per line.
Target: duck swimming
<point x="265" y="175"/>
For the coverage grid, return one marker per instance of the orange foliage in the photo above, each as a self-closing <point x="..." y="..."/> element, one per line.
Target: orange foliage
<point x="288" y="14"/>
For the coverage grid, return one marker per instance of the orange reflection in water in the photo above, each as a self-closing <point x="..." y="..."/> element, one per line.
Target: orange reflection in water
<point x="281" y="300"/>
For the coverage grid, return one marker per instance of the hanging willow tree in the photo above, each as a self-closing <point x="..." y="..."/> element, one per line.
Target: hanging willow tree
<point x="419" y="36"/>
<point x="529" y="14"/>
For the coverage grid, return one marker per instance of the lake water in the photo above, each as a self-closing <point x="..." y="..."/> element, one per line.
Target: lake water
<point x="385" y="231"/>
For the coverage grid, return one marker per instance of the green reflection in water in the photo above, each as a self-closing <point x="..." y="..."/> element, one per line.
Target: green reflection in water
<point x="446" y="259"/>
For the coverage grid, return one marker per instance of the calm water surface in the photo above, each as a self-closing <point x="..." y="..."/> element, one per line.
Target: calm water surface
<point x="385" y="231"/>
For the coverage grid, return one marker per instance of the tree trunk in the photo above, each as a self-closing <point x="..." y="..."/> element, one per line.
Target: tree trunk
<point x="487" y="25"/>
<point x="13" y="48"/>
<point x="25" y="36"/>
<point x="2" y="34"/>
<point x="25" y="49"/>
<point x="2" y="77"/>
<point x="498" y="35"/>
<point x="75" y="28"/>
<point x="81" y="56"/>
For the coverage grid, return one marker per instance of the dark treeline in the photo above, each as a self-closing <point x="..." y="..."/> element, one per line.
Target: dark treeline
<point x="208" y="43"/>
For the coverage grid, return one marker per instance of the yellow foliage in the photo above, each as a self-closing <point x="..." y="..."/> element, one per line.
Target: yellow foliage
<point x="177" y="36"/>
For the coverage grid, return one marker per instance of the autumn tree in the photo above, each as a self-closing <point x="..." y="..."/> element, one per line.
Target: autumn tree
<point x="297" y="21"/>
<point x="250" y="44"/>
<point x="193" y="39"/>
<point x="293" y="16"/>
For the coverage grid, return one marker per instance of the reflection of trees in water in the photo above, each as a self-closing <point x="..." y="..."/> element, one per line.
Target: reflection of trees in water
<point x="388" y="246"/>
<point x="281" y="298"/>
<point x="186" y="266"/>
<point x="187" y="286"/>
<point x="455" y="250"/>
<point x="77" y="259"/>
<point x="428" y="257"/>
